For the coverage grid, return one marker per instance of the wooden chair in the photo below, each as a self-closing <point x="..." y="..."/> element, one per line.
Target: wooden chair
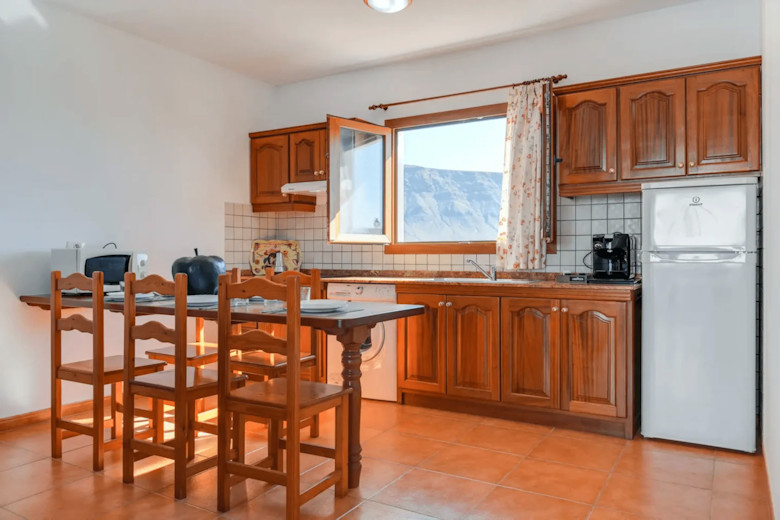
<point x="182" y="385"/>
<point x="98" y="371"/>
<point x="199" y="353"/>
<point x="259" y="366"/>
<point x="283" y="399"/>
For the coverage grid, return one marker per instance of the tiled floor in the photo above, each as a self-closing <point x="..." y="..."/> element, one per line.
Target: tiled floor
<point x="418" y="464"/>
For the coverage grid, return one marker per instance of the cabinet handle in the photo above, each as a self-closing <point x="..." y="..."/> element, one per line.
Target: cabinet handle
<point x="612" y="170"/>
<point x="555" y="309"/>
<point x="441" y="304"/>
<point x="680" y="164"/>
<point x="449" y="304"/>
<point x="691" y="164"/>
<point x="565" y="309"/>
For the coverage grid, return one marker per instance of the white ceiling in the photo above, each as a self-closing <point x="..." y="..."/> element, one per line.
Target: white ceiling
<point x="284" y="41"/>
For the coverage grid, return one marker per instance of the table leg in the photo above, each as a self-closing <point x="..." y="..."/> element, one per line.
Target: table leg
<point x="352" y="339"/>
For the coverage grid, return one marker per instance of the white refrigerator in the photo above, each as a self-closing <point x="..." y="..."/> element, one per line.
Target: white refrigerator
<point x="699" y="312"/>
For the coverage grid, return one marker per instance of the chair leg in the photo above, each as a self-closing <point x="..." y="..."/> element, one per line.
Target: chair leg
<point x="314" y="427"/>
<point x="114" y="426"/>
<point x="223" y="448"/>
<point x="128" y="417"/>
<point x="341" y="455"/>
<point x="56" y="413"/>
<point x="191" y="430"/>
<point x="180" y="446"/>
<point x="274" y="430"/>
<point x="158" y="421"/>
<point x="119" y="416"/>
<point x="239" y="436"/>
<point x="152" y="424"/>
<point x="293" y="470"/>
<point x="98" y="425"/>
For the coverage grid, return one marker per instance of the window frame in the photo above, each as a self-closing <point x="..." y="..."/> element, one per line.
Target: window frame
<point x="403" y="123"/>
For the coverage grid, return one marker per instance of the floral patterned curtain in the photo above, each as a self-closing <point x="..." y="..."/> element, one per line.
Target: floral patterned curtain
<point x="521" y="242"/>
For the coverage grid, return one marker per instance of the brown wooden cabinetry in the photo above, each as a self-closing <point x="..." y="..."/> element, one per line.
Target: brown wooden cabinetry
<point x="724" y="121"/>
<point x="614" y="134"/>
<point x="530" y="351"/>
<point x="587" y="136"/>
<point x="282" y="156"/>
<point x="421" y="347"/>
<point x="593" y="357"/>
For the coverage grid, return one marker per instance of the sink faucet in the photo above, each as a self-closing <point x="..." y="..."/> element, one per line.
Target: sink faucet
<point x="491" y="274"/>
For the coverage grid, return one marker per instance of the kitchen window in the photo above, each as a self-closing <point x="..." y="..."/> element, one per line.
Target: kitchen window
<point x="446" y="184"/>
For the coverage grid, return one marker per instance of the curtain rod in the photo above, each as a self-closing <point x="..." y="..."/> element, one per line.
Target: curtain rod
<point x="554" y="79"/>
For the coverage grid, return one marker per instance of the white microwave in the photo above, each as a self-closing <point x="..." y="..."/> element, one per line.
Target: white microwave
<point x="111" y="262"/>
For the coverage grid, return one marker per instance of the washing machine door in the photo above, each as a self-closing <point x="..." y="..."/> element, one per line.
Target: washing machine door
<point x="372" y="347"/>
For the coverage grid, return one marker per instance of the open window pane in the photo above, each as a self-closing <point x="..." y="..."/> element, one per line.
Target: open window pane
<point x="449" y="181"/>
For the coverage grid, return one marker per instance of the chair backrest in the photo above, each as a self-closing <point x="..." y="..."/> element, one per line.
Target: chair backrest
<point x="77" y="322"/>
<point x="312" y="280"/>
<point x="259" y="339"/>
<point x="154" y="329"/>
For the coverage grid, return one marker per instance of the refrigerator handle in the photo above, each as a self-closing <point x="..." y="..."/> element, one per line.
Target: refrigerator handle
<point x="696" y="258"/>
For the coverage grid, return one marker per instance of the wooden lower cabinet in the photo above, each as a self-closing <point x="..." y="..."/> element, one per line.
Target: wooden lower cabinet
<point x="530" y="351"/>
<point x="473" y="347"/>
<point x="421" y="348"/>
<point x="593" y="357"/>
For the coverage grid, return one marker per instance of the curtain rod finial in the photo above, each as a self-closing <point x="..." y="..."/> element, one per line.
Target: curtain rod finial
<point x="374" y="107"/>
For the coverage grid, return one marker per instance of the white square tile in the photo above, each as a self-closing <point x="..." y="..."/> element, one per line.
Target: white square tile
<point x="633" y="226"/>
<point x="582" y="199"/>
<point x="598" y="199"/>
<point x="599" y="211"/>
<point x="632" y="210"/>
<point x="614" y="211"/>
<point x="613" y="198"/>
<point x="228" y="232"/>
<point x="598" y="226"/>
<point x="583" y="227"/>
<point x="582" y="212"/>
<point x="567" y="227"/>
<point x="616" y="226"/>
<point x="567" y="212"/>
<point x="566" y="243"/>
<point x="583" y="242"/>
<point x="565" y="201"/>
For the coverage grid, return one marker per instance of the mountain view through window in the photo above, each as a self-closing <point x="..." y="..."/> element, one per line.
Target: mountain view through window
<point x="449" y="181"/>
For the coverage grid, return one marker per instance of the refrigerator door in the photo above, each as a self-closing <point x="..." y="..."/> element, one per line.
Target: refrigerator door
<point x="694" y="217"/>
<point x="699" y="348"/>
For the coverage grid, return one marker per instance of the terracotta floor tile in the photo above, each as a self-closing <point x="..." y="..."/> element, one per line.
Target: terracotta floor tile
<point x="601" y="513"/>
<point x="668" y="466"/>
<point x="7" y="515"/>
<point x="433" y="427"/>
<point x="741" y="479"/>
<point x="750" y="459"/>
<point x="375" y="511"/>
<point x="380" y="415"/>
<point x="202" y="490"/>
<point x="654" y="498"/>
<point x="576" y="434"/>
<point x="519" y="442"/>
<point x="433" y="494"/>
<point x="37" y="438"/>
<point x="374" y="475"/>
<point x="731" y="507"/>
<point x="403" y="449"/>
<point x="675" y="447"/>
<point x="96" y="495"/>
<point x="586" y="453"/>
<point x="505" y="503"/>
<point x="515" y="425"/>
<point x="158" y="506"/>
<point x="433" y="412"/>
<point x="12" y="456"/>
<point x="271" y="506"/>
<point x="558" y="480"/>
<point x="30" y="479"/>
<point x="477" y="463"/>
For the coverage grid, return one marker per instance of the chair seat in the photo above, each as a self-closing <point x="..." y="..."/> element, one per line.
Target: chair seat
<point x="198" y="379"/>
<point x="113" y="367"/>
<point x="274" y="393"/>
<point x="168" y="354"/>
<point x="263" y="363"/>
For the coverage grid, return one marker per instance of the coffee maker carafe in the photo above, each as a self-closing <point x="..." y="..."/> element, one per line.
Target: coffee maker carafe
<point x="612" y="256"/>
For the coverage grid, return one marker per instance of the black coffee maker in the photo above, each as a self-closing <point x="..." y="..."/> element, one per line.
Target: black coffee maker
<point x="612" y="256"/>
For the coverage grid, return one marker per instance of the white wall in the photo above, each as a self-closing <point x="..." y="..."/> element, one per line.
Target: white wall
<point x="690" y="34"/>
<point x="771" y="163"/>
<point x="105" y="137"/>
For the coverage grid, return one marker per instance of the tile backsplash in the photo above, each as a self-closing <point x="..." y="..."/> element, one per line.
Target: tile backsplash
<point x="578" y="219"/>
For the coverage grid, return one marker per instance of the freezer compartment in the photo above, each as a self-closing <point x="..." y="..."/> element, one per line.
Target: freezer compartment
<point x="699" y="348"/>
<point x="699" y="217"/>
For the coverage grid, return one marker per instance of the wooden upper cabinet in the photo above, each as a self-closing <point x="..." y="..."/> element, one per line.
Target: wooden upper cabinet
<point x="593" y="357"/>
<point x="307" y="156"/>
<point x="473" y="347"/>
<point x="421" y="357"/>
<point x="652" y="129"/>
<point x="269" y="167"/>
<point x="724" y="121"/>
<point x="587" y="136"/>
<point x="530" y="351"/>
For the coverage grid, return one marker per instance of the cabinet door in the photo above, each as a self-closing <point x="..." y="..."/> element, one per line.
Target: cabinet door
<point x="307" y="156"/>
<point x="269" y="169"/>
<point x="652" y="129"/>
<point x="473" y="347"/>
<point x="724" y="118"/>
<point x="529" y="351"/>
<point x="421" y="361"/>
<point x="593" y="357"/>
<point x="587" y="136"/>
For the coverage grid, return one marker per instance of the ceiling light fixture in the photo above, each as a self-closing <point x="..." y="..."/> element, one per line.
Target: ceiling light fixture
<point x="388" y="6"/>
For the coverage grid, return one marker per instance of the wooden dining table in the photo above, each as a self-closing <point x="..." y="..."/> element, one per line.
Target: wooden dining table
<point x="351" y="326"/>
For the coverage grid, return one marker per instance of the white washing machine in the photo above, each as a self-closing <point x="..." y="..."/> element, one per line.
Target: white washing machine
<point x="379" y="350"/>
